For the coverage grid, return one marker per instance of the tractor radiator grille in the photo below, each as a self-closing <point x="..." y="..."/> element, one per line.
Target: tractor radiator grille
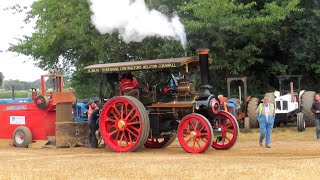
<point x="282" y="106"/>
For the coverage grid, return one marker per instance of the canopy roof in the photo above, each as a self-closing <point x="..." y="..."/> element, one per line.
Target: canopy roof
<point x="144" y="65"/>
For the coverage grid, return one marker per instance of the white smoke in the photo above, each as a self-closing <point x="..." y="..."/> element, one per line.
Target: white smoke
<point x="134" y="21"/>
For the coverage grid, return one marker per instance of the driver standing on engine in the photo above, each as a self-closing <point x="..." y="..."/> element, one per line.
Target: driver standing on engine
<point x="93" y="112"/>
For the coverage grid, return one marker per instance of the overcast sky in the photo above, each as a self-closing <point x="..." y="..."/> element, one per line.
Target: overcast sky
<point x="12" y="65"/>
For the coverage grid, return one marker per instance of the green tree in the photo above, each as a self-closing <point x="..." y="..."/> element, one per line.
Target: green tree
<point x="65" y="34"/>
<point x="243" y="36"/>
<point x="256" y="38"/>
<point x="1" y="79"/>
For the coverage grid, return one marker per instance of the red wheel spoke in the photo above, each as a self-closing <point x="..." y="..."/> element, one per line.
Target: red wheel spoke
<point x="132" y="123"/>
<point x="129" y="114"/>
<point x="130" y="138"/>
<point x="125" y="138"/>
<point x="135" y="135"/>
<point x="116" y="111"/>
<point x="133" y="117"/>
<point x="188" y="140"/>
<point x="197" y="142"/>
<point x="112" y="133"/>
<point x="196" y="125"/>
<point x="230" y="131"/>
<point x="230" y="125"/>
<point x="203" y="139"/>
<point x="192" y="125"/>
<point x="134" y="129"/>
<point x="121" y="138"/>
<point x="114" y="114"/>
<point x="203" y="134"/>
<point x="202" y="128"/>
<point x="228" y="138"/>
<point x="117" y="136"/>
<point x="121" y="112"/>
<point x="194" y="143"/>
<point x="112" y="120"/>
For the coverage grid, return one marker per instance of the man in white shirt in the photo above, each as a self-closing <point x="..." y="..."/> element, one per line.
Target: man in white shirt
<point x="265" y="116"/>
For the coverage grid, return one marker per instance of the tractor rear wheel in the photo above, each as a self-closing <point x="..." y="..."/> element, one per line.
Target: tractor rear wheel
<point x="22" y="137"/>
<point x="157" y="143"/>
<point x="229" y="128"/>
<point x="124" y="124"/>
<point x="251" y="112"/>
<point x="301" y="124"/>
<point x="195" y="133"/>
<point x="307" y="100"/>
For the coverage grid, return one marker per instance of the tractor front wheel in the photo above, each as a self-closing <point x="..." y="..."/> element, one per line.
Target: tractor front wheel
<point x="124" y="124"/>
<point x="195" y="133"/>
<point x="228" y="128"/>
<point x="301" y="124"/>
<point x="22" y="137"/>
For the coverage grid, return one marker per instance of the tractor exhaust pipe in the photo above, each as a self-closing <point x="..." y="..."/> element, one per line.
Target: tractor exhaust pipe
<point x="13" y="93"/>
<point x="204" y="70"/>
<point x="291" y="92"/>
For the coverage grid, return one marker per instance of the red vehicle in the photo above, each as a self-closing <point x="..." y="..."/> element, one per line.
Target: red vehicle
<point x="32" y="119"/>
<point x="164" y="106"/>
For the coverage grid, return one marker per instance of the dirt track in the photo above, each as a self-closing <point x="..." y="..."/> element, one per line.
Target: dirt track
<point x="293" y="155"/>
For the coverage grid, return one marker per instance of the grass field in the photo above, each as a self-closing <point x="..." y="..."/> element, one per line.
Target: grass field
<point x="293" y="156"/>
<point x="18" y="94"/>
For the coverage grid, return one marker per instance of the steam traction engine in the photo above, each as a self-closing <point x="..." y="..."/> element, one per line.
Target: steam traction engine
<point x="155" y="115"/>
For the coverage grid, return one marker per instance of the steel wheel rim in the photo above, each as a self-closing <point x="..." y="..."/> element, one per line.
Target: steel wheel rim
<point x="229" y="132"/>
<point x="156" y="142"/>
<point x="19" y="137"/>
<point x="194" y="134"/>
<point x="121" y="124"/>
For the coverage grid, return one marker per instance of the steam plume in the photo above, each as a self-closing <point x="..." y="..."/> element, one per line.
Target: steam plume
<point x="134" y="21"/>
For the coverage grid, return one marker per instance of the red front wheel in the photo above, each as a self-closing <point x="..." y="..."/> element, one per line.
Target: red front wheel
<point x="195" y="133"/>
<point x="124" y="124"/>
<point x="227" y="127"/>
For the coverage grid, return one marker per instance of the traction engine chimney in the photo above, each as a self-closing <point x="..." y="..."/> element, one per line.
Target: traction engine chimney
<point x="204" y="70"/>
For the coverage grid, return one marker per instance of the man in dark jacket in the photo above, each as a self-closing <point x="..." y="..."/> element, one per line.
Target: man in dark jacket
<point x="315" y="108"/>
<point x="93" y="115"/>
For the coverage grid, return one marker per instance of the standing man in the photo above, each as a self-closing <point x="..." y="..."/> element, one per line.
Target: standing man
<point x="265" y="116"/>
<point x="315" y="108"/>
<point x="93" y="112"/>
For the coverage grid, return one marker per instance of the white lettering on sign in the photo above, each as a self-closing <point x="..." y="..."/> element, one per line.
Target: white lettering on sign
<point x="132" y="68"/>
<point x="17" y="120"/>
<point x="16" y="107"/>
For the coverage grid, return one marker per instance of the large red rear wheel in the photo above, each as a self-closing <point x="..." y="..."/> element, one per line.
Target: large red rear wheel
<point x="195" y="133"/>
<point x="228" y="126"/>
<point x="160" y="142"/>
<point x="124" y="124"/>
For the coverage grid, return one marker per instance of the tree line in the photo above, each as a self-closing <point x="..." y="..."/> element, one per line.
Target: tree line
<point x="26" y="85"/>
<point x="260" y="39"/>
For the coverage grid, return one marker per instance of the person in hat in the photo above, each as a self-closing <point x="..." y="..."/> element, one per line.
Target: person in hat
<point x="265" y="115"/>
